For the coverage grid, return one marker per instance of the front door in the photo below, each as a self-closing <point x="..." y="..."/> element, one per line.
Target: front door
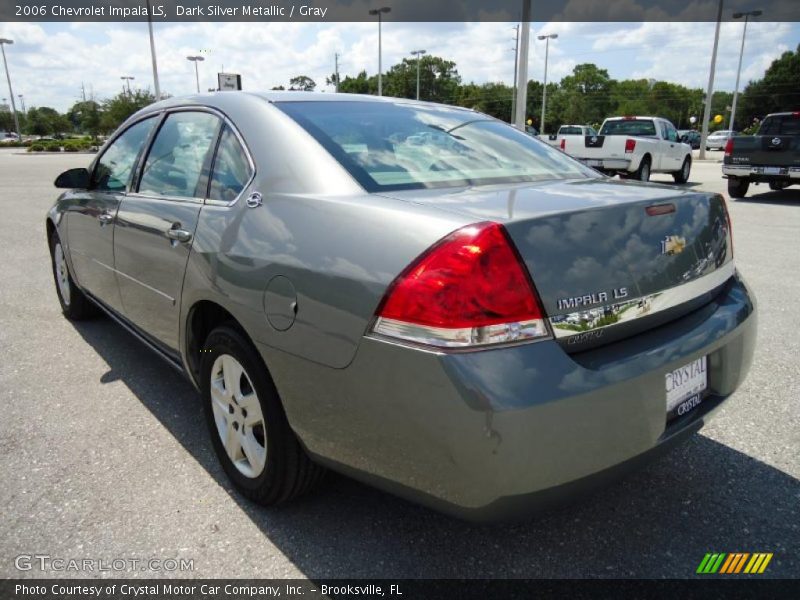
<point x="91" y="215"/>
<point x="156" y="223"/>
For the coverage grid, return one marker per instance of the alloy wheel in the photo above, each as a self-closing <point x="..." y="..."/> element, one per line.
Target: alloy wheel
<point x="238" y="417"/>
<point x="62" y="273"/>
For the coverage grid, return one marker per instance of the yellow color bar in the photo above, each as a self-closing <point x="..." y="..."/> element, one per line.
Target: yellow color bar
<point x="765" y="563"/>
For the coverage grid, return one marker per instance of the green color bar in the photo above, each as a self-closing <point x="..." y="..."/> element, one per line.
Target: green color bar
<point x="701" y="568"/>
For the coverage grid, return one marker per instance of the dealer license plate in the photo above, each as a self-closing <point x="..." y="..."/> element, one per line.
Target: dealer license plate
<point x="594" y="163"/>
<point x="684" y="383"/>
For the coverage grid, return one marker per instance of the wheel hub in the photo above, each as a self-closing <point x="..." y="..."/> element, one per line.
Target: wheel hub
<point x="238" y="417"/>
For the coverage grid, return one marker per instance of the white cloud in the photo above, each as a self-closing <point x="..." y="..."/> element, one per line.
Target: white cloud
<point x="49" y="62"/>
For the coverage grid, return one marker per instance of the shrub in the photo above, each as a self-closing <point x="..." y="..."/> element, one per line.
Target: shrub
<point x="53" y="146"/>
<point x="71" y="148"/>
<point x="36" y="148"/>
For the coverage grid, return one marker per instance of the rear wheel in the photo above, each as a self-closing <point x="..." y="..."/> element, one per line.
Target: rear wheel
<point x="249" y="430"/>
<point x="682" y="176"/>
<point x="737" y="187"/>
<point x="643" y="172"/>
<point x="777" y="185"/>
<point x="74" y="303"/>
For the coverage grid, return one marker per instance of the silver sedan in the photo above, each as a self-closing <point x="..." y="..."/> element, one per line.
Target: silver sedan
<point x="418" y="296"/>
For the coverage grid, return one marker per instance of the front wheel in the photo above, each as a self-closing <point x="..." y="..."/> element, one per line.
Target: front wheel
<point x="737" y="187"/>
<point x="74" y="303"/>
<point x="682" y="176"/>
<point x="249" y="430"/>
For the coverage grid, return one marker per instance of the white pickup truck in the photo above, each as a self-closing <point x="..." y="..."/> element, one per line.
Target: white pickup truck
<point x="554" y="139"/>
<point x="633" y="147"/>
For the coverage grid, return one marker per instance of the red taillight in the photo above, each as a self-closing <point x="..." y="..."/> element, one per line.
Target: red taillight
<point x="629" y="146"/>
<point x="468" y="289"/>
<point x="729" y="147"/>
<point x="563" y="144"/>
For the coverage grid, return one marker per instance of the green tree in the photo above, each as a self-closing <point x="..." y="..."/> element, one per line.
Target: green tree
<point x="46" y="121"/>
<point x="85" y="117"/>
<point x="115" y="110"/>
<point x="360" y="84"/>
<point x="439" y="80"/>
<point x="302" y="83"/>
<point x="778" y="90"/>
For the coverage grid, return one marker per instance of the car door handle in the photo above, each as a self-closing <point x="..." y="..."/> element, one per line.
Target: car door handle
<point x="105" y="218"/>
<point x="179" y="235"/>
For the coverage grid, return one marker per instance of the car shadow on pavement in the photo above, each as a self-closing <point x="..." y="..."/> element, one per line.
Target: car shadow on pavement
<point x="658" y="522"/>
<point x="787" y="197"/>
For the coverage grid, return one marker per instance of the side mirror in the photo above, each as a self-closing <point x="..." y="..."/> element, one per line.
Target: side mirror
<point x="73" y="179"/>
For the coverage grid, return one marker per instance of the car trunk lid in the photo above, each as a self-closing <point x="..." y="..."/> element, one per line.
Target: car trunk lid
<point x="606" y="255"/>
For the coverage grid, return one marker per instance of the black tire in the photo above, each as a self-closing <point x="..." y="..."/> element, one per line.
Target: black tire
<point x="737" y="187"/>
<point x="74" y="303"/>
<point x="682" y="176"/>
<point x="776" y="186"/>
<point x="643" y="172"/>
<point x="287" y="472"/>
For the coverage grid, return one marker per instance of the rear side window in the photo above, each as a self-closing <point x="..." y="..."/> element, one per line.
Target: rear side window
<point x="179" y="155"/>
<point x="781" y="125"/>
<point x="231" y="170"/>
<point x="113" y="171"/>
<point x="632" y="127"/>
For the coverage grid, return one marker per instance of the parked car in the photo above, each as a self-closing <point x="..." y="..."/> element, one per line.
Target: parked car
<point x="404" y="311"/>
<point x="565" y="130"/>
<point x="633" y="147"/>
<point x="718" y="139"/>
<point x="771" y="156"/>
<point x="691" y="137"/>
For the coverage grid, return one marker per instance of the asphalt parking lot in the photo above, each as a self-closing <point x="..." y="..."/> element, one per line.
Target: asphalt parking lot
<point x="104" y="453"/>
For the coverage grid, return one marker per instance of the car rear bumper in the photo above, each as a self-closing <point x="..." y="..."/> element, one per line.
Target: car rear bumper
<point x="761" y="172"/>
<point x="608" y="164"/>
<point x="491" y="434"/>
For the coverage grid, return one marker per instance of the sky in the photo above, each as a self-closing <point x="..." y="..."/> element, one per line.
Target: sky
<point x="50" y="61"/>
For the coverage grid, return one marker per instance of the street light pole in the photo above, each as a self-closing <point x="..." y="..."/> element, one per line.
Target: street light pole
<point x="195" y="60"/>
<point x="547" y="39"/>
<point x="156" y="87"/>
<point x="739" y="15"/>
<point x="516" y="58"/>
<point x="3" y="42"/>
<point x="379" y="12"/>
<point x="22" y="103"/>
<point x="127" y="79"/>
<point x="418" y="54"/>
<point x="336" y="70"/>
<point x="522" y="66"/>
<point x="710" y="90"/>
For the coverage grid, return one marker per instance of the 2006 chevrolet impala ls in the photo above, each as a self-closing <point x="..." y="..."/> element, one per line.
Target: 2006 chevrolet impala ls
<point x="419" y="296"/>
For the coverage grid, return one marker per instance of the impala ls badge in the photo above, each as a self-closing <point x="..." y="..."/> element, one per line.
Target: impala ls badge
<point x="673" y="244"/>
<point x="593" y="298"/>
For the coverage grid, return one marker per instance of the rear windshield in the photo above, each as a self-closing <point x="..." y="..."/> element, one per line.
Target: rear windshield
<point x="781" y="125"/>
<point x="632" y="127"/>
<point x="394" y="146"/>
<point x="570" y="131"/>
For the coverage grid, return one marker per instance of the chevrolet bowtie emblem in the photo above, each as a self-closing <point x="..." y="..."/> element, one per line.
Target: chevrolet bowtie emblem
<point x="673" y="244"/>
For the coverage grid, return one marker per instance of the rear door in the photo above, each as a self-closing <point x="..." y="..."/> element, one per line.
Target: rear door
<point x="156" y="223"/>
<point x="90" y="221"/>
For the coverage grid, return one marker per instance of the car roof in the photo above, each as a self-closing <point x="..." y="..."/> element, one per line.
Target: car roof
<point x="215" y="99"/>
